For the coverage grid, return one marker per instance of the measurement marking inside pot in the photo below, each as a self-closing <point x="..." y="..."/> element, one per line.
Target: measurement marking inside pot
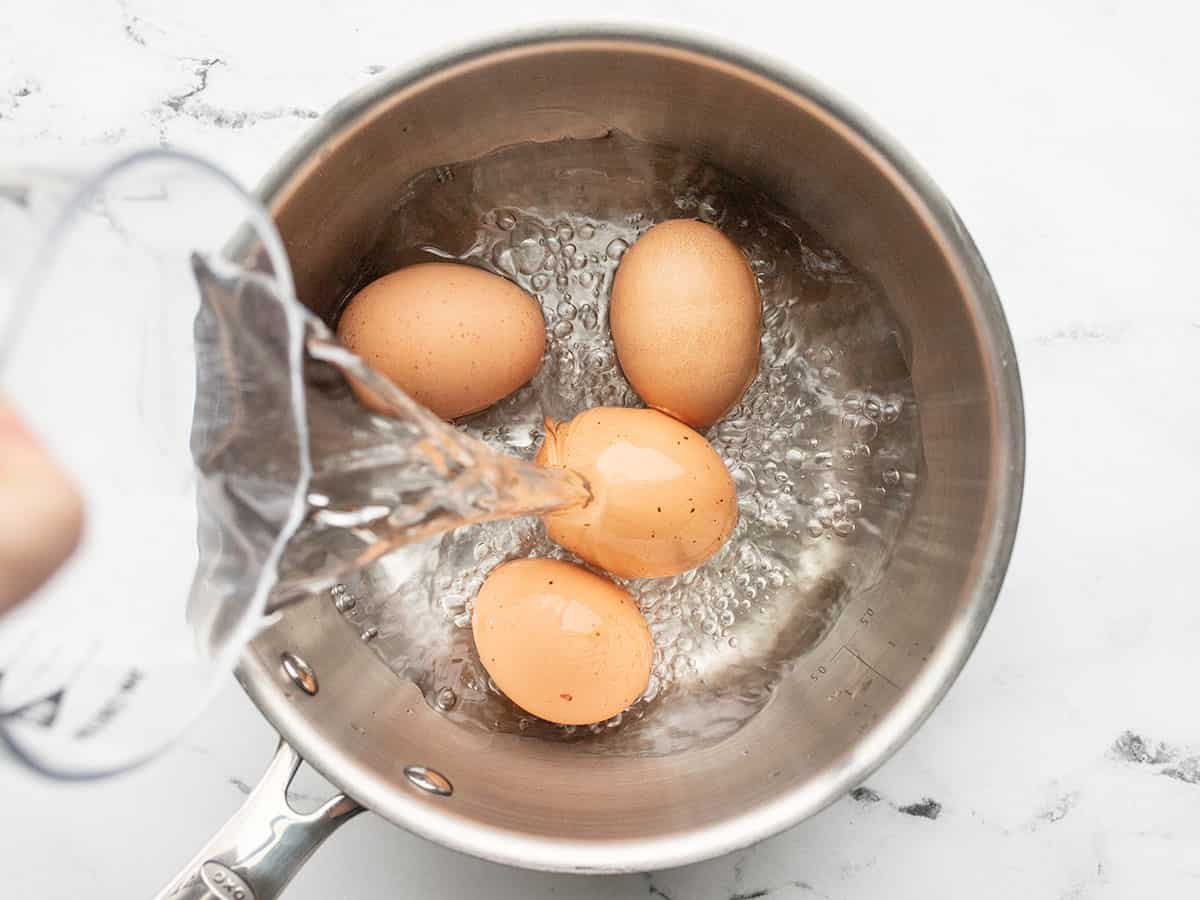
<point x="869" y="666"/>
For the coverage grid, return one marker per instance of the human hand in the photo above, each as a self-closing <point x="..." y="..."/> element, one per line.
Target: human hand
<point x="41" y="512"/>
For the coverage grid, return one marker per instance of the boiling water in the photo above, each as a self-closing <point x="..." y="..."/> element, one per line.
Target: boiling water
<point x="824" y="448"/>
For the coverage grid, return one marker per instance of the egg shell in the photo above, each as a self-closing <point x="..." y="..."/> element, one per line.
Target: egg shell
<point x="561" y="642"/>
<point x="662" y="500"/>
<point x="454" y="338"/>
<point x="686" y="318"/>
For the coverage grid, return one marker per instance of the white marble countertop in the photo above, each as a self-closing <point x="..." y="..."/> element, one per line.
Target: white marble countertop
<point x="1065" y="763"/>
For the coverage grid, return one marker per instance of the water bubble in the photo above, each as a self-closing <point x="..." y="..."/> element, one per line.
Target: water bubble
<point x="844" y="528"/>
<point x="586" y="279"/>
<point x="561" y="282"/>
<point x="502" y="259"/>
<point x="587" y="230"/>
<point x="569" y="250"/>
<point x="761" y="266"/>
<point x="578" y="262"/>
<point x="599" y="360"/>
<point x="529" y="255"/>
<point x="506" y="220"/>
<point x="727" y="618"/>
<point x="852" y="402"/>
<point x="733" y="642"/>
<point x="549" y="262"/>
<point x="824" y="458"/>
<point x="566" y="310"/>
<point x="653" y="686"/>
<point x="865" y="430"/>
<point x="616" y="249"/>
<point x="891" y="410"/>
<point x="540" y="282"/>
<point x="589" y="316"/>
<point x="853" y="506"/>
<point x="344" y="602"/>
<point x="872" y="407"/>
<point x="565" y="232"/>
<point x="562" y="329"/>
<point x="891" y="477"/>
<point x="553" y="246"/>
<point x="743" y="479"/>
<point x="446" y="698"/>
<point x="562" y="266"/>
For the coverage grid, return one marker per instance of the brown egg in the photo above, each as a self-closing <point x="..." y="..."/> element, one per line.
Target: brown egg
<point x="662" y="500"/>
<point x="455" y="338"/>
<point x="686" y="319"/>
<point x="561" y="642"/>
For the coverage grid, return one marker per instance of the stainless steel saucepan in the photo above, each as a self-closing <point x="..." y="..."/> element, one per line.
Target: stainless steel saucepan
<point x="894" y="651"/>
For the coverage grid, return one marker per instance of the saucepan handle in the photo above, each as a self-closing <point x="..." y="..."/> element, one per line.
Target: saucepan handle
<point x="258" y="851"/>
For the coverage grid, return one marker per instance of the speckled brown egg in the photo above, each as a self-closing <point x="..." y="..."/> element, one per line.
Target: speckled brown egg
<point x="662" y="500"/>
<point x="454" y="338"/>
<point x="686" y="319"/>
<point x="561" y="642"/>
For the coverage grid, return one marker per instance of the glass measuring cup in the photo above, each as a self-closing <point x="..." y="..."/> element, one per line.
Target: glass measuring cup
<point x="104" y="339"/>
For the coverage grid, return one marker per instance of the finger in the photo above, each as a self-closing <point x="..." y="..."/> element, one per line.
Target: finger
<point x="41" y="512"/>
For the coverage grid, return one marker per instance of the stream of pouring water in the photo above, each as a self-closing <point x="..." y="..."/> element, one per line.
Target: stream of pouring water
<point x="386" y="482"/>
<point x="294" y="468"/>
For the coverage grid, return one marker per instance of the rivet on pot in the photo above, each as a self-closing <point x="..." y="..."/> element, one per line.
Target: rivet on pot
<point x="429" y="780"/>
<point x="300" y="672"/>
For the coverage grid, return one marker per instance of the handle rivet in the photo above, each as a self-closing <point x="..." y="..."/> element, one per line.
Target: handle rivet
<point x="429" y="780"/>
<point x="300" y="672"/>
